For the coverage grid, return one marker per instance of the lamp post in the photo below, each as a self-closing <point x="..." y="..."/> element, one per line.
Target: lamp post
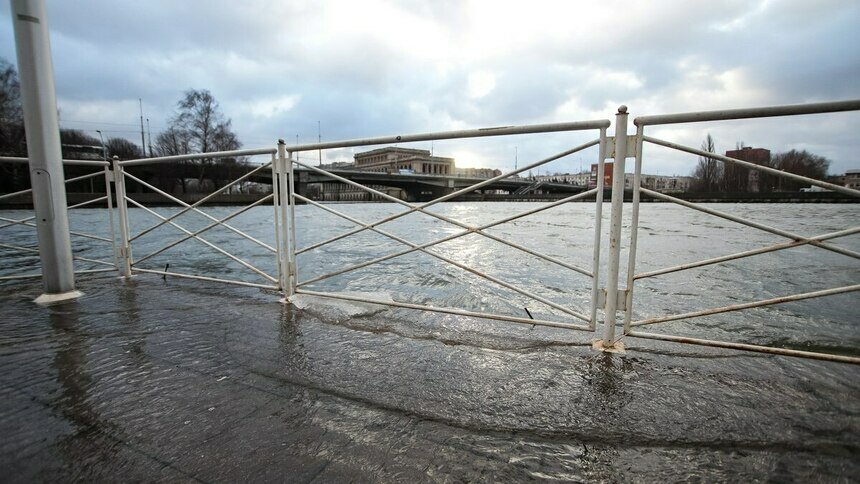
<point x="104" y="148"/>
<point x="42" y="126"/>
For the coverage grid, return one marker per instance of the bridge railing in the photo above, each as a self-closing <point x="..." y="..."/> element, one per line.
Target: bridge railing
<point x="631" y="326"/>
<point x="24" y="269"/>
<point x="585" y="319"/>
<point x="129" y="265"/>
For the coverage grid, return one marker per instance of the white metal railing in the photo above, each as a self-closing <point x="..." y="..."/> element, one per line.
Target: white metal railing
<point x="129" y="265"/>
<point x="293" y="286"/>
<point x="611" y="298"/>
<point x="820" y="241"/>
<point x="107" y="265"/>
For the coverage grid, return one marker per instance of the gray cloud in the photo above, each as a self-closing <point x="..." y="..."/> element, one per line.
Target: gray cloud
<point x="381" y="67"/>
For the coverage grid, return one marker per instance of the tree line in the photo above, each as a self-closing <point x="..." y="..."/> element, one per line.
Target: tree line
<point x="716" y="176"/>
<point x="197" y="126"/>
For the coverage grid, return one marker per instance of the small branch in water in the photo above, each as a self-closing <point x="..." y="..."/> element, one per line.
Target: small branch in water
<point x="530" y="316"/>
<point x="164" y="276"/>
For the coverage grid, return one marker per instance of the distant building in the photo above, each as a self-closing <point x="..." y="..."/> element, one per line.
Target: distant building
<point x="392" y="159"/>
<point x="477" y="172"/>
<point x="337" y="165"/>
<point x="852" y="179"/>
<point x="742" y="177"/>
<point x="660" y="183"/>
<point x="579" y="179"/>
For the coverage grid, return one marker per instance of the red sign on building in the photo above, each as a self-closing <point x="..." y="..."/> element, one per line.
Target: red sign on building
<point x="607" y="175"/>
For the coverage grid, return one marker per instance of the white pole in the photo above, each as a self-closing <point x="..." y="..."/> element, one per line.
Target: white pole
<point x="277" y="207"/>
<point x="122" y="205"/>
<point x="291" y="199"/>
<point x="286" y="236"/>
<point x="108" y="181"/>
<point x="634" y="229"/>
<point x="598" y="228"/>
<point x="615" y="227"/>
<point x="43" y="149"/>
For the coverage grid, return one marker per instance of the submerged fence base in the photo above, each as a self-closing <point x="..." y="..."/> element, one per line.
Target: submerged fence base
<point x="54" y="298"/>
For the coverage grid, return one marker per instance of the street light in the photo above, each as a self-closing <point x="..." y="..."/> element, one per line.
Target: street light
<point x="104" y="148"/>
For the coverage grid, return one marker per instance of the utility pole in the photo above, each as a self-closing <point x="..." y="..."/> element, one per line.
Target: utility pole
<point x="142" y="141"/>
<point x="515" y="158"/>
<point x="41" y="122"/>
<point x="149" y="137"/>
<point x="104" y="157"/>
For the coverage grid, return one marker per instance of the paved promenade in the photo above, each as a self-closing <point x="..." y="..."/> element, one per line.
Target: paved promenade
<point x="181" y="381"/>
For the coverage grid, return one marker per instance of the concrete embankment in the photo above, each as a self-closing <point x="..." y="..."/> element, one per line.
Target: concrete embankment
<point x="781" y="197"/>
<point x="154" y="199"/>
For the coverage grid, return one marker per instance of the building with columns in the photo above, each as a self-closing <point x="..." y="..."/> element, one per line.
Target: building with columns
<point x="392" y="159"/>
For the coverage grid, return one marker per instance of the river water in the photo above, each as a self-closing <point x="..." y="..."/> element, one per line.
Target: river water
<point x="536" y="394"/>
<point x="669" y="235"/>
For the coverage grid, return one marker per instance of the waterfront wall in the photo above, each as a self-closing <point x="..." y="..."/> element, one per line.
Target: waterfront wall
<point x="780" y="197"/>
<point x="154" y="199"/>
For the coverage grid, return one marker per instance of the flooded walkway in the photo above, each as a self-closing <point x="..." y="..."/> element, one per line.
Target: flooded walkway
<point x="179" y="381"/>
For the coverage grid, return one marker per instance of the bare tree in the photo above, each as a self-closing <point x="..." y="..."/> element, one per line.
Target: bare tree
<point x="11" y="113"/>
<point x="123" y="148"/>
<point x="13" y="176"/>
<point x="709" y="171"/>
<point x="800" y="163"/>
<point x="199" y="126"/>
<point x="10" y="93"/>
<point x="173" y="141"/>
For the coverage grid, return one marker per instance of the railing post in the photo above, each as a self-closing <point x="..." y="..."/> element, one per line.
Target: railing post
<point x="634" y="229"/>
<point x="277" y="207"/>
<point x="292" y="232"/>
<point x="609" y="316"/>
<point x="109" y="195"/>
<point x="122" y="205"/>
<point x="598" y="230"/>
<point x="286" y="248"/>
<point x="43" y="149"/>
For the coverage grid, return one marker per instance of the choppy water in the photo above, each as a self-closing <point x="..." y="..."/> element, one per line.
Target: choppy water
<point x="481" y="398"/>
<point x="669" y="235"/>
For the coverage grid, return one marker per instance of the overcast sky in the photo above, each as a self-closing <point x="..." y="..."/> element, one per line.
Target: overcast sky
<point x="373" y="67"/>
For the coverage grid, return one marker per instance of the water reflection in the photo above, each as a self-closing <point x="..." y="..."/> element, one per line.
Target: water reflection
<point x="605" y="377"/>
<point x="130" y="308"/>
<point x="70" y="362"/>
<point x="76" y="403"/>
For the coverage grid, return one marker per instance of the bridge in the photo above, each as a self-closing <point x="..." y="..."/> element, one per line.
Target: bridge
<point x="422" y="187"/>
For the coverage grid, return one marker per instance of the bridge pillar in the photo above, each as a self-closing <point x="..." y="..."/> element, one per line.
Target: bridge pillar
<point x="300" y="183"/>
<point x="436" y="192"/>
<point x="413" y="193"/>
